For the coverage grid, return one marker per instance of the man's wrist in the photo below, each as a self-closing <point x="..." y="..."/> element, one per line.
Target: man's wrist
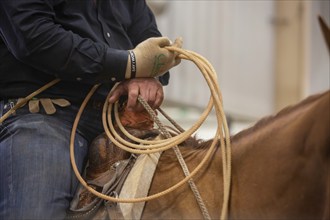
<point x="114" y="67"/>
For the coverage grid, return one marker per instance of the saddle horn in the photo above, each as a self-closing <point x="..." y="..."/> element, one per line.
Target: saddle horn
<point x="325" y="30"/>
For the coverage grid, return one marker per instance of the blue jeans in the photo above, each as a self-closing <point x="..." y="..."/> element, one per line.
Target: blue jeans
<point x="36" y="177"/>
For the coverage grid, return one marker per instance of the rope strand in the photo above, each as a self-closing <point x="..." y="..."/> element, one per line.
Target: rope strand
<point x="176" y="149"/>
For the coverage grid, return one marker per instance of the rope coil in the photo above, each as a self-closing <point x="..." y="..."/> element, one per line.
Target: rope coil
<point x="147" y="146"/>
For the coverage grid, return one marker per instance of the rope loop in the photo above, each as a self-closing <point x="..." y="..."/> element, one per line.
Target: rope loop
<point x="147" y="146"/>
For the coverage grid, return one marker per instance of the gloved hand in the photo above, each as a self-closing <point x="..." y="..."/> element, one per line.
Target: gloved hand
<point x="151" y="59"/>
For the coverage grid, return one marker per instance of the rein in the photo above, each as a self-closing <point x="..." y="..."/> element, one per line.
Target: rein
<point x="178" y="154"/>
<point x="149" y="146"/>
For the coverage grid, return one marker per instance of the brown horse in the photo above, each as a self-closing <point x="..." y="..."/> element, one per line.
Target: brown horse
<point x="280" y="170"/>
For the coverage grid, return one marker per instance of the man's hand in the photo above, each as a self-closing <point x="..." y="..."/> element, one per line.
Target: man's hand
<point x="150" y="58"/>
<point x="150" y="89"/>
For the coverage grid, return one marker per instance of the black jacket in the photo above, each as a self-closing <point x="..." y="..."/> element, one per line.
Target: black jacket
<point x="82" y="42"/>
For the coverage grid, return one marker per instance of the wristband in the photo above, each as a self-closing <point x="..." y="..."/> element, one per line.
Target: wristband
<point x="133" y="63"/>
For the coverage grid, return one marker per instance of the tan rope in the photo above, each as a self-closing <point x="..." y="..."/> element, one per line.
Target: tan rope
<point x="176" y="125"/>
<point x="145" y="146"/>
<point x="176" y="149"/>
<point x="131" y="200"/>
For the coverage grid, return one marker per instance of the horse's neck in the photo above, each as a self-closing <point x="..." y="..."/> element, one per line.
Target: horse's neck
<point x="277" y="156"/>
<point x="267" y="171"/>
<point x="309" y="118"/>
<point x="300" y="131"/>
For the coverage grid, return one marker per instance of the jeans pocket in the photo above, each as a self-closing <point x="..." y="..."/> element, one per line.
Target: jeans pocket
<point x="5" y="131"/>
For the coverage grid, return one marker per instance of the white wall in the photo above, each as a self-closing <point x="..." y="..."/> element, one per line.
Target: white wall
<point x="317" y="61"/>
<point x="237" y="38"/>
<point x="247" y="73"/>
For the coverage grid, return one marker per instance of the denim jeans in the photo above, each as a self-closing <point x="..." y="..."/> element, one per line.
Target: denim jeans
<point x="36" y="177"/>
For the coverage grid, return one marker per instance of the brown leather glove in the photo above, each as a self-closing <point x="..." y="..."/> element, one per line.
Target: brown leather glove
<point x="151" y="59"/>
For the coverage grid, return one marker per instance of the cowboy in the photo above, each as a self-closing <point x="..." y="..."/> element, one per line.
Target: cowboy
<point x="82" y="43"/>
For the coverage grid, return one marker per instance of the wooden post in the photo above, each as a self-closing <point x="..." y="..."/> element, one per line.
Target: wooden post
<point x="290" y="68"/>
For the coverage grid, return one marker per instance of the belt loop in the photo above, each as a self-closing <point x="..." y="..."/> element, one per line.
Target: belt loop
<point x="6" y="105"/>
<point x="11" y="103"/>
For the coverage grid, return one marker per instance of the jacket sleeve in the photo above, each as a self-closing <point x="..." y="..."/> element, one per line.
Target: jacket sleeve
<point x="30" y="33"/>
<point x="143" y="27"/>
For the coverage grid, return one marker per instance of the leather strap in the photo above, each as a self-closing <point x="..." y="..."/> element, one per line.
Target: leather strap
<point x="48" y="106"/>
<point x="34" y="106"/>
<point x="61" y="102"/>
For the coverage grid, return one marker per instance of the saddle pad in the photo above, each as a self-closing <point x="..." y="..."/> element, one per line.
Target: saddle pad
<point x="137" y="184"/>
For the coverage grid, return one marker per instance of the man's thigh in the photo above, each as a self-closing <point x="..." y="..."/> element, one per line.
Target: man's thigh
<point x="36" y="178"/>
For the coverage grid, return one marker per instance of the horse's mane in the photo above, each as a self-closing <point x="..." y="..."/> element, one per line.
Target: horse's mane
<point x="193" y="142"/>
<point x="197" y="143"/>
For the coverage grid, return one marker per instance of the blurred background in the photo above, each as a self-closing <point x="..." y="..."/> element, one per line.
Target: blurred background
<point x="267" y="54"/>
